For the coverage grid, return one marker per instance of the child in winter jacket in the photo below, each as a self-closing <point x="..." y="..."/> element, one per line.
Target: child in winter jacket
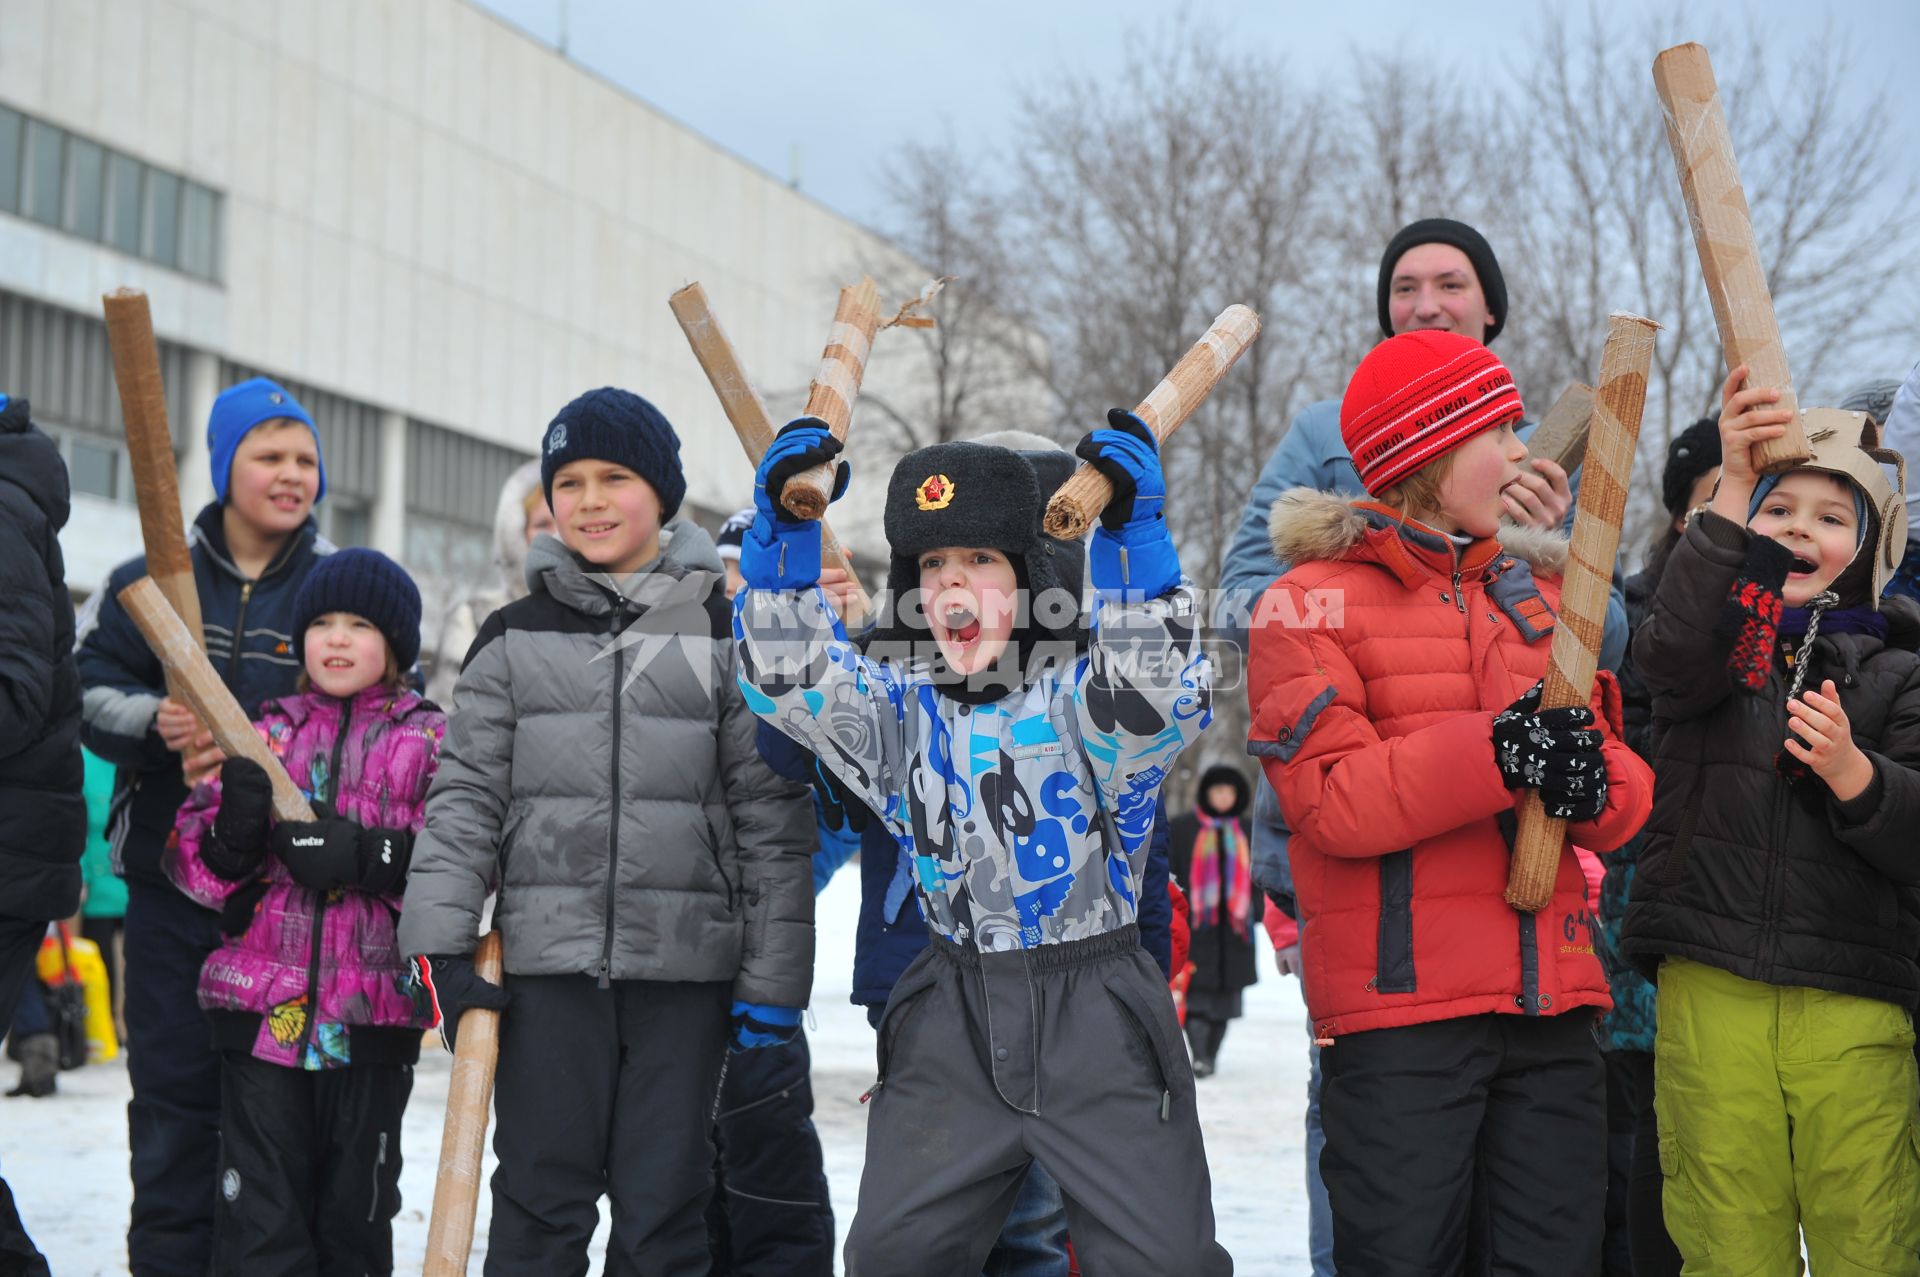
<point x="1394" y="678"/>
<point x="317" y="1038"/>
<point x="1778" y="896"/>
<point x="655" y="881"/>
<point x="252" y="548"/>
<point x="1017" y="759"/>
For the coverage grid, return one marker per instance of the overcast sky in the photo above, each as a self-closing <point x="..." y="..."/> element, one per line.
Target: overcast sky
<point x="832" y="88"/>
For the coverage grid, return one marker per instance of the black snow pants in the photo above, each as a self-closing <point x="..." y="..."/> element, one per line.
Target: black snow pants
<point x="1504" y="1115"/>
<point x="605" y="1092"/>
<point x="1068" y="1055"/>
<point x="770" y="1215"/>
<point x="309" y="1168"/>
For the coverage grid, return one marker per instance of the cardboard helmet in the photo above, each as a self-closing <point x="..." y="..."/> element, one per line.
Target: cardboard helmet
<point x="1847" y="444"/>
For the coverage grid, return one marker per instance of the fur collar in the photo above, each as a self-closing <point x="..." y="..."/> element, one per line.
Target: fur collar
<point x="1309" y="526"/>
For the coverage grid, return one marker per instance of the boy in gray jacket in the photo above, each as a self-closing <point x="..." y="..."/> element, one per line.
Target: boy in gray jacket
<point x="655" y="878"/>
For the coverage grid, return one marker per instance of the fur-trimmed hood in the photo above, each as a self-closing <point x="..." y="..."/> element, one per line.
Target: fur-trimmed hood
<point x="1308" y="526"/>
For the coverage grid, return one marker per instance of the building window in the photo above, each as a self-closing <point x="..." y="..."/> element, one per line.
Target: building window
<point x="94" y="467"/>
<point x="44" y="146"/>
<point x="345" y="522"/>
<point x="95" y="193"/>
<point x="162" y="240"/>
<point x="10" y="134"/>
<point x="86" y="185"/>
<point x="123" y="204"/>
<point x="200" y="232"/>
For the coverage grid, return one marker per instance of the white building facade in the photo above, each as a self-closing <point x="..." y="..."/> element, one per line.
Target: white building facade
<point x="430" y="227"/>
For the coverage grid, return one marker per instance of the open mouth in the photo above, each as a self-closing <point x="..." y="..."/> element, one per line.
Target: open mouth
<point x="285" y="501"/>
<point x="337" y="663"/>
<point x="1802" y="567"/>
<point x="597" y="529"/>
<point x="962" y="626"/>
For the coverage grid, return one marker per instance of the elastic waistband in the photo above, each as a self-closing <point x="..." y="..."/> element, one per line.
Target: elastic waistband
<point x="1067" y="953"/>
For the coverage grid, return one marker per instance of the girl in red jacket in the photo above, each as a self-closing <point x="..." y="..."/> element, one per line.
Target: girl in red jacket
<point x="1395" y="691"/>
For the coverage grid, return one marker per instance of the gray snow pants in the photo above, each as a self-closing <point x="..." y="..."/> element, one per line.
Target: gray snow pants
<point x="1068" y="1055"/>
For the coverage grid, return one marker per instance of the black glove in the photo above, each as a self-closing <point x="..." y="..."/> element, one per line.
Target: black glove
<point x="1555" y="751"/>
<point x="808" y="444"/>
<point x="237" y="843"/>
<point x="322" y="854"/>
<point x="382" y="857"/>
<point x="445" y="988"/>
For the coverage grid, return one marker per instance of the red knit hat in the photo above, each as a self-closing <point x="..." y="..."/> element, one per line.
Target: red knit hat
<point x="1418" y="396"/>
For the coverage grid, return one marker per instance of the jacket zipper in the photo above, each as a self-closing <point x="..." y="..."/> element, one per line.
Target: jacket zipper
<point x="1767" y="910"/>
<point x="239" y="631"/>
<point x="320" y="910"/>
<point x="613" y="818"/>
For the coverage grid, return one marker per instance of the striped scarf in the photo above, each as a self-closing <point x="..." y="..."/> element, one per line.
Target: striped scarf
<point x="1222" y="867"/>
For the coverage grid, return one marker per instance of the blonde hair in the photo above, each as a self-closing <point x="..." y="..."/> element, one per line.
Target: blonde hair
<point x="1418" y="495"/>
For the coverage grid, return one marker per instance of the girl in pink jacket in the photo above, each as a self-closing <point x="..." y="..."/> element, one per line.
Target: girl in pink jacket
<point x="317" y="1037"/>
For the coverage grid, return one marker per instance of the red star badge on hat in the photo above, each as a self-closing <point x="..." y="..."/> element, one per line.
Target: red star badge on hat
<point x="934" y="493"/>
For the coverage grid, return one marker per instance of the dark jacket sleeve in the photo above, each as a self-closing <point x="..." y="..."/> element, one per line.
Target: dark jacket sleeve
<point x="26" y="639"/>
<point x="1156" y="907"/>
<point x="1681" y="651"/>
<point x="121" y="682"/>
<point x="1879" y="824"/>
<point x="789" y="759"/>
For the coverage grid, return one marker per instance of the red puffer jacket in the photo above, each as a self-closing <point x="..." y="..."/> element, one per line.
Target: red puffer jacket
<point x="1376" y="667"/>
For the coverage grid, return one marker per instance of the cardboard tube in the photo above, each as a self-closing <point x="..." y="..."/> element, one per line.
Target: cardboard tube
<point x="842" y="366"/>
<point x="1540" y="842"/>
<point x="143" y="407"/>
<point x="745" y="411"/>
<point x="202" y="691"/>
<point x="456" y="1185"/>
<point x="1723" y="234"/>
<point x="1562" y="433"/>
<point x="1079" y="501"/>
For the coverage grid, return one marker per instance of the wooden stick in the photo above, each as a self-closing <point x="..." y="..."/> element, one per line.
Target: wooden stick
<point x="744" y="409"/>
<point x="456" y="1186"/>
<point x="202" y="691"/>
<point x="1541" y="841"/>
<point x="1723" y="235"/>
<point x="834" y="388"/>
<point x="1562" y="434"/>
<point x="1079" y="501"/>
<point x="156" y="485"/>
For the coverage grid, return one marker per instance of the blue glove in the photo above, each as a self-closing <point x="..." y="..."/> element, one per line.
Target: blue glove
<point x="780" y="552"/>
<point x="757" y="1026"/>
<point x="1131" y="557"/>
<point x="1129" y="456"/>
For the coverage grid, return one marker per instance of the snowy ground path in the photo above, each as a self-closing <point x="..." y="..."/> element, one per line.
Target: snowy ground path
<point x="66" y="1158"/>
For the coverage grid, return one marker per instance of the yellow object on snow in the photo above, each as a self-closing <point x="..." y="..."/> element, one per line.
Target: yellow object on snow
<point x="62" y="953"/>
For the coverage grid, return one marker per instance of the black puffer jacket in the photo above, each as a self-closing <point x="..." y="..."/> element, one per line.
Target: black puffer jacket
<point x="43" y="818"/>
<point x="1745" y="870"/>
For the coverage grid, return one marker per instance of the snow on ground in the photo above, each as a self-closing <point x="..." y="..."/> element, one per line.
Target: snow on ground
<point x="66" y="1157"/>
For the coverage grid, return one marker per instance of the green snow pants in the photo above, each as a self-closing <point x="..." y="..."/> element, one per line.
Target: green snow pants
<point x="1786" y="1110"/>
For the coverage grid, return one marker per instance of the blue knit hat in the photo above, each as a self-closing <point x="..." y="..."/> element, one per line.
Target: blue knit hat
<point x="616" y="425"/>
<point x="366" y="583"/>
<point x="239" y="409"/>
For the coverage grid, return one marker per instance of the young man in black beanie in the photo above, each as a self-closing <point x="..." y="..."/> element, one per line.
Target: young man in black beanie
<point x="1018" y="763"/>
<point x="655" y="879"/>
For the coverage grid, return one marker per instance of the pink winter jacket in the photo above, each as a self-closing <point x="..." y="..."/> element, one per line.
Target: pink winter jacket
<point x="274" y="988"/>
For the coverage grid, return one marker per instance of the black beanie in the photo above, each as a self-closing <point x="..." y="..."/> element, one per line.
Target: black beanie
<point x="1441" y="230"/>
<point x="616" y="425"/>
<point x="366" y="583"/>
<point x="1693" y="452"/>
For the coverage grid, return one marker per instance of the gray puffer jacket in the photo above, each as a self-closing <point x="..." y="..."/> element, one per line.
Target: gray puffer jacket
<point x="701" y="871"/>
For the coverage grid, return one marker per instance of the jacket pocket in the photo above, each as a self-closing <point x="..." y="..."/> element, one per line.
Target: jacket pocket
<point x="719" y="862"/>
<point x="1393" y="960"/>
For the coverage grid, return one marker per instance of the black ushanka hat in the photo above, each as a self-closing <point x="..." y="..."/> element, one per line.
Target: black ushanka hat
<point x="974" y="494"/>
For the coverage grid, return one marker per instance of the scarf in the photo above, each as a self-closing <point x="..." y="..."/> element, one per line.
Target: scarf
<point x="1222" y="871"/>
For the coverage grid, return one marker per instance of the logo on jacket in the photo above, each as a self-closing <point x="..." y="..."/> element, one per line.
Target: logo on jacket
<point x="934" y="493"/>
